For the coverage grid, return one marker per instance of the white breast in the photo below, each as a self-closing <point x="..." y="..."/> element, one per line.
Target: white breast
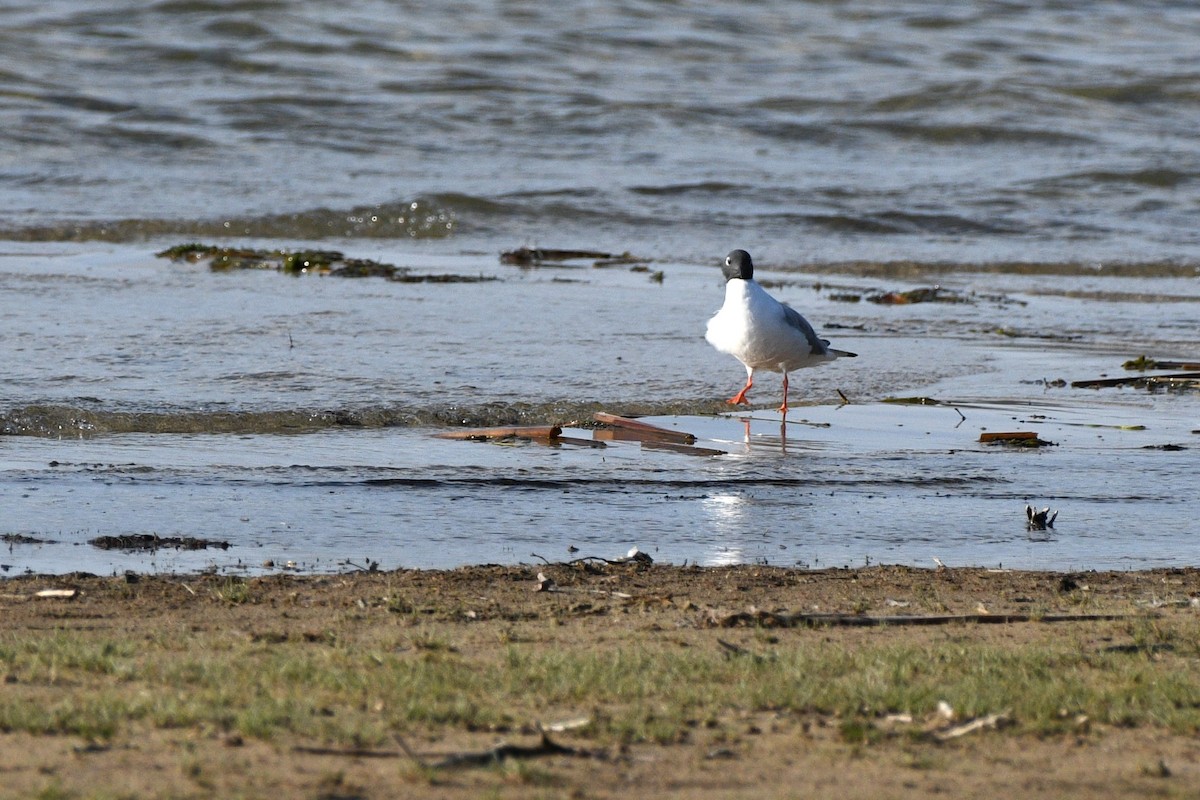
<point x="753" y="327"/>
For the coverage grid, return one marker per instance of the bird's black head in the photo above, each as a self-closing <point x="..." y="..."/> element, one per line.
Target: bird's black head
<point x="738" y="265"/>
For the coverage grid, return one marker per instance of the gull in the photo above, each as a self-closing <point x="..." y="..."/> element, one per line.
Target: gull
<point x="761" y="332"/>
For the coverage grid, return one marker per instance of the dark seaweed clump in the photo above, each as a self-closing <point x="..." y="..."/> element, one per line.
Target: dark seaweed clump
<point x="926" y="294"/>
<point x="304" y="262"/>
<point x="537" y="256"/>
<point x="152" y="541"/>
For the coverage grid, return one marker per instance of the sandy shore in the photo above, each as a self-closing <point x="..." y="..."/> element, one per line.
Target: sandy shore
<point x="144" y="633"/>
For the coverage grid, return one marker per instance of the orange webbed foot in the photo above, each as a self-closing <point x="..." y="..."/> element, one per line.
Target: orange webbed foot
<point x="739" y="399"/>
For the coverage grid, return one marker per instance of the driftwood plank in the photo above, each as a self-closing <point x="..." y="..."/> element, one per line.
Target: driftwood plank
<point x="1002" y="435"/>
<point x="650" y="431"/>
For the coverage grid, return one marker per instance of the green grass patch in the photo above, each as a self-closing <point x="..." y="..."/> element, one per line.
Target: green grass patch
<point x="94" y="684"/>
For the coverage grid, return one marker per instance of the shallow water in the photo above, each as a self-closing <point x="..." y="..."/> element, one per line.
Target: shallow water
<point x="292" y="417"/>
<point x="846" y="486"/>
<point x="115" y="340"/>
<point x="1037" y="162"/>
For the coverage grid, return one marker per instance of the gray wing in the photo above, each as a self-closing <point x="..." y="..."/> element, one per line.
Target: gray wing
<point x="818" y="345"/>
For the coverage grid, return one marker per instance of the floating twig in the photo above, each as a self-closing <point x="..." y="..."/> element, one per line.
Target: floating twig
<point x="1174" y="379"/>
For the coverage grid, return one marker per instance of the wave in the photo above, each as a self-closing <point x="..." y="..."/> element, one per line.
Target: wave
<point x="422" y="218"/>
<point x="903" y="222"/>
<point x="1151" y="178"/>
<point x="432" y="216"/>
<point x="971" y="134"/>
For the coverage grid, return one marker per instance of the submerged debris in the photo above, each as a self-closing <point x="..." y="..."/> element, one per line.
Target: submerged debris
<point x="303" y="262"/>
<point x="926" y="294"/>
<point x="152" y="541"/>
<point x="1039" y="520"/>
<point x="536" y="256"/>
<point x="20" y="538"/>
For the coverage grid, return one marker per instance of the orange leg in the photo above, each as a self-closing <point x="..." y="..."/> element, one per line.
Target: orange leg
<point x="739" y="399"/>
<point x="783" y="408"/>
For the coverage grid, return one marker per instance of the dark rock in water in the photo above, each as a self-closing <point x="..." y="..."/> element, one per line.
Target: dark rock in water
<point x="152" y="541"/>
